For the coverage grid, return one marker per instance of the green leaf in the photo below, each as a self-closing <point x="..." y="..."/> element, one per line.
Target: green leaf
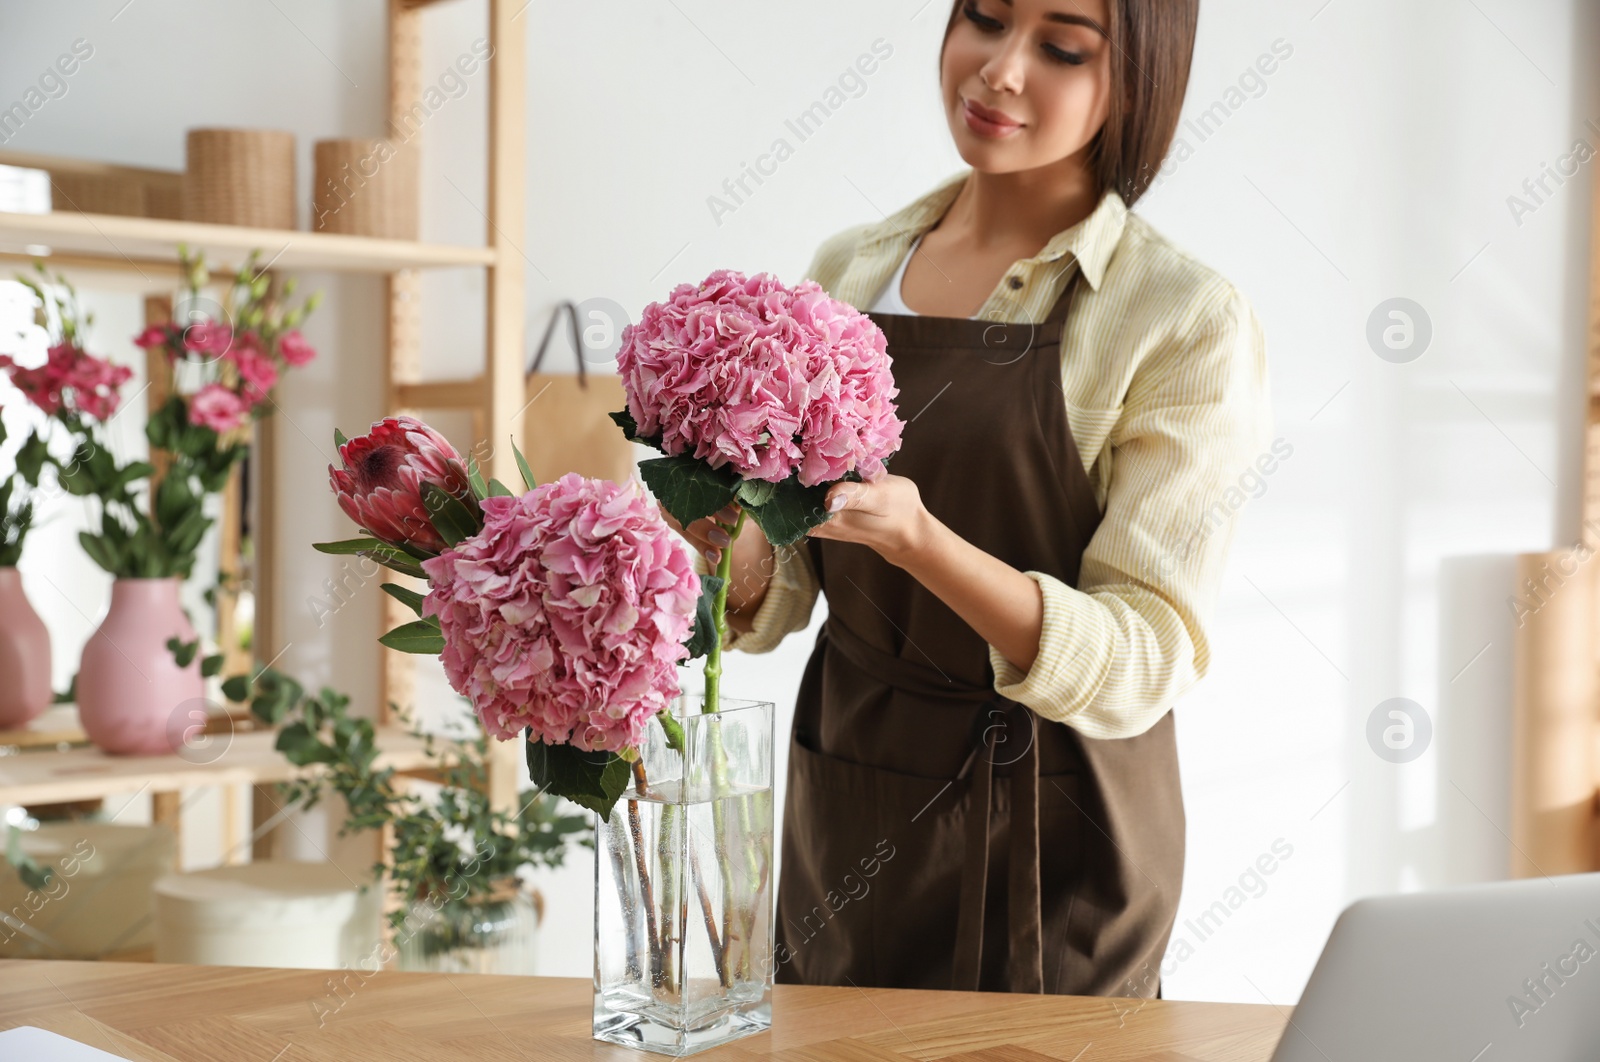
<point x="418" y="636"/>
<point x="592" y="780"/>
<point x="211" y="666"/>
<point x="134" y="470"/>
<point x="630" y="429"/>
<point x="688" y="487"/>
<point x="791" y="511"/>
<point x="672" y="728"/>
<point x="756" y="492"/>
<point x="338" y="438"/>
<point x="704" y="634"/>
<point x="101" y="551"/>
<point x="389" y="556"/>
<point x="405" y="595"/>
<point x="276" y="695"/>
<point x="396" y="560"/>
<point x="522" y="467"/>
<point x="31" y="458"/>
<point x="499" y="490"/>
<point x="450" y="515"/>
<point x="236" y="688"/>
<point x="183" y="652"/>
<point x="301" y="747"/>
<point x="346" y="546"/>
<point x="480" y="489"/>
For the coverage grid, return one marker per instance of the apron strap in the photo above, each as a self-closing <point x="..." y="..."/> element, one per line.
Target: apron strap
<point x="1026" y="969"/>
<point x="968" y="961"/>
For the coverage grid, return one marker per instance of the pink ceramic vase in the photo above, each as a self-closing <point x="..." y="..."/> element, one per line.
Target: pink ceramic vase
<point x="24" y="655"/>
<point x="133" y="698"/>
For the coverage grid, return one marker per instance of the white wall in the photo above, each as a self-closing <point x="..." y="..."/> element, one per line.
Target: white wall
<point x="1374" y="162"/>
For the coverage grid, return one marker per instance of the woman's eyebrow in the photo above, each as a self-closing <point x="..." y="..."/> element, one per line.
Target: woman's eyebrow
<point x="1070" y="20"/>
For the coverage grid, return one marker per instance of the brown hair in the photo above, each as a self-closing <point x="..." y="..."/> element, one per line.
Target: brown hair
<point x="1152" y="43"/>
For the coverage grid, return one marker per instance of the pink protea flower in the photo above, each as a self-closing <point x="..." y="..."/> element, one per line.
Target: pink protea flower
<point x="218" y="408"/>
<point x="380" y="485"/>
<point x="567" y="613"/>
<point x="294" y="348"/>
<point x="773" y="381"/>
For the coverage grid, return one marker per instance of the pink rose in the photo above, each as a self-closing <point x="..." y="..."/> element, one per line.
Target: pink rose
<point x="208" y="337"/>
<point x="152" y="336"/>
<point x="70" y="380"/>
<point x="216" y="407"/>
<point x="295" y="349"/>
<point x="256" y="368"/>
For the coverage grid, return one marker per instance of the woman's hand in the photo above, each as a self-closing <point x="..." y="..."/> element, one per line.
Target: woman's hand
<point x="704" y="535"/>
<point x="752" y="563"/>
<point x="886" y="514"/>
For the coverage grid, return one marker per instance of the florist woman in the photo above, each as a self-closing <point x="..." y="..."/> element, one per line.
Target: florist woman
<point x="983" y="786"/>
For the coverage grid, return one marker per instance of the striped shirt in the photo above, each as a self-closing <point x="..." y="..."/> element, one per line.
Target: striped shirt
<point x="1164" y="372"/>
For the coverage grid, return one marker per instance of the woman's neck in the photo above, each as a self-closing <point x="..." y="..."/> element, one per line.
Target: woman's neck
<point x="1026" y="208"/>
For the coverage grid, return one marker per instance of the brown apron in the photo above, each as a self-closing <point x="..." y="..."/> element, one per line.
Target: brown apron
<point x="936" y="834"/>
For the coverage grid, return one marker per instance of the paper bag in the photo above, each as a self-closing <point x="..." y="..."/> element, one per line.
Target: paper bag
<point x="566" y="426"/>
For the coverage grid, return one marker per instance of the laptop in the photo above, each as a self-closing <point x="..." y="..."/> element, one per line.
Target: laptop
<point x="1506" y="971"/>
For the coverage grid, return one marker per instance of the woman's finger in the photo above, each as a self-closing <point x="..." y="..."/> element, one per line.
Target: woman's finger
<point x="843" y="496"/>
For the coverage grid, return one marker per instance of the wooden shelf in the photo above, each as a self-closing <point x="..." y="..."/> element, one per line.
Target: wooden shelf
<point x="57" y="725"/>
<point x="131" y="243"/>
<point x="87" y="773"/>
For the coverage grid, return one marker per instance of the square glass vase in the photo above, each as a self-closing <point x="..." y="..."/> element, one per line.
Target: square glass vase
<point x="683" y="886"/>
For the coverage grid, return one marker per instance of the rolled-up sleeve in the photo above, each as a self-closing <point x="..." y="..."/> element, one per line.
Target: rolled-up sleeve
<point x="1118" y="651"/>
<point x="790" y="599"/>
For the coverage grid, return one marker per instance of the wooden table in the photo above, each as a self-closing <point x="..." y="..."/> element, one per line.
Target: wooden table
<point x="159" y="1013"/>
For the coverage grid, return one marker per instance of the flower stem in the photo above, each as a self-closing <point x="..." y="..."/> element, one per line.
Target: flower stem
<point x="647" y="894"/>
<point x="719" y="612"/>
<point x="671" y="921"/>
<point x="615" y="845"/>
<point x="732" y="902"/>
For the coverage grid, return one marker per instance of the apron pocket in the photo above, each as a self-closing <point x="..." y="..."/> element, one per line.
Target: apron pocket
<point x="871" y="877"/>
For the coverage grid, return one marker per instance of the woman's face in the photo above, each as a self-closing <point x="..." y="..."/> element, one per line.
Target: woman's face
<point x="1026" y="82"/>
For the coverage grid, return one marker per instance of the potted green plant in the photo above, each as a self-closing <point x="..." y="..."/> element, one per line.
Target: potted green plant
<point x="454" y="858"/>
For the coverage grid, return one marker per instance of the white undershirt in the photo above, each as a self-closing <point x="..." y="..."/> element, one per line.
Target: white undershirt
<point x="889" y="300"/>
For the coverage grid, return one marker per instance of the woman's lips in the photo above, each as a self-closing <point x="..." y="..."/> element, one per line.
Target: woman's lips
<point x="987" y="123"/>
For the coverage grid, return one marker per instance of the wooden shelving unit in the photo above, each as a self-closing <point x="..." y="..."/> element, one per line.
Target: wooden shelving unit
<point x="144" y="250"/>
<point x="135" y="242"/>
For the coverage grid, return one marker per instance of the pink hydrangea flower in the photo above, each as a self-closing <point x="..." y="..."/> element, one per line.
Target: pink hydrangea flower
<point x="218" y="408"/>
<point x="773" y="381"/>
<point x="567" y="613"/>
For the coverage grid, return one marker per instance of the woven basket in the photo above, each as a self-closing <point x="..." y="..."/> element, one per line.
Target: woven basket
<point x="365" y="187"/>
<point x="240" y="177"/>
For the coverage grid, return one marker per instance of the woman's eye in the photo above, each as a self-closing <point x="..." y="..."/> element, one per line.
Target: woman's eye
<point x="1069" y="58"/>
<point x="983" y="22"/>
